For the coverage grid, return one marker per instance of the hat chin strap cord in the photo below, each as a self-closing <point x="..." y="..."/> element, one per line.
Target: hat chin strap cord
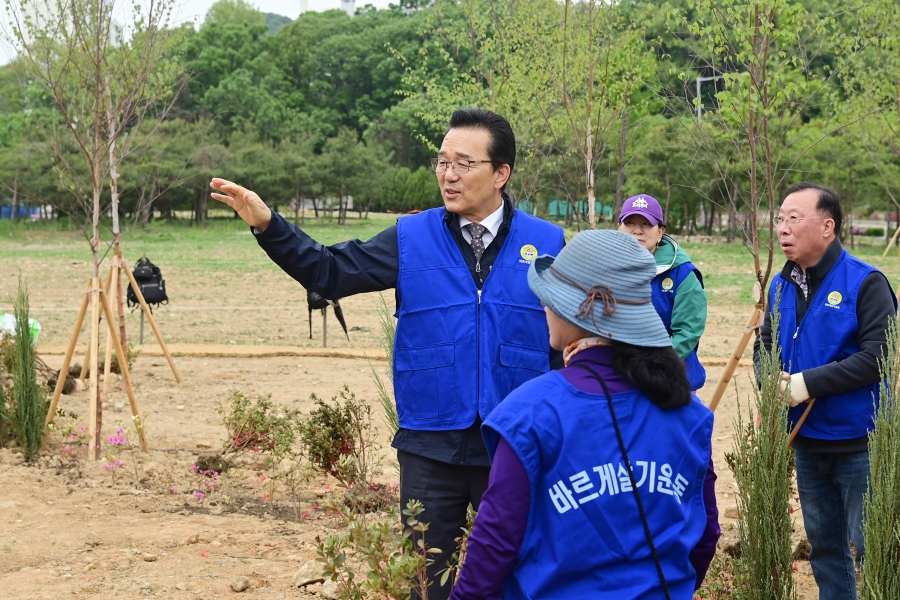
<point x="634" y="488"/>
<point x="602" y="292"/>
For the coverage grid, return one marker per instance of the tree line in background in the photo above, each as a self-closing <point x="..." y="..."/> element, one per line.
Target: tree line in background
<point x="603" y="98"/>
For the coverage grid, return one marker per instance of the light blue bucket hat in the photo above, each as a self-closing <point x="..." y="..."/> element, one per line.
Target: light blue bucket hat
<point x="600" y="282"/>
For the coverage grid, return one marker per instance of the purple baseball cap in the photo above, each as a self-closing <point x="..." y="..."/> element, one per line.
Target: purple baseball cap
<point x="643" y="205"/>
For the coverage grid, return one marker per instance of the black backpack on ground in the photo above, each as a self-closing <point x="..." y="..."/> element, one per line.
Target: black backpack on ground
<point x="153" y="286"/>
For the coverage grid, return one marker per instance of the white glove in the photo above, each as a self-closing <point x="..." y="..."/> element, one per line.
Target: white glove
<point x="798" y="390"/>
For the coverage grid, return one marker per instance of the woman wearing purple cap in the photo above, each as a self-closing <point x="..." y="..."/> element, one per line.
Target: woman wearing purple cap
<point x="602" y="484"/>
<point x="678" y="293"/>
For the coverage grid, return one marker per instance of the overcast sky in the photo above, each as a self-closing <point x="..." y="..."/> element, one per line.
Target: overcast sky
<point x="195" y="10"/>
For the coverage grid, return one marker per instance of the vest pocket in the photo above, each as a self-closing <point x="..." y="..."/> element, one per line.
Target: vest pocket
<point x="522" y="364"/>
<point x="425" y="383"/>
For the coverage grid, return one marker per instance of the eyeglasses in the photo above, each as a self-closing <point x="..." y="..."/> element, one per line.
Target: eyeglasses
<point x="460" y="167"/>
<point x="794" y="219"/>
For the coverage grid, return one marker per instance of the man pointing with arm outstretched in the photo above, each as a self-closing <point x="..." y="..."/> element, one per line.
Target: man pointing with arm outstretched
<point x="469" y="329"/>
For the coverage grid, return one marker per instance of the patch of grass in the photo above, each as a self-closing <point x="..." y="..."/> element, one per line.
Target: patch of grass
<point x="221" y="239"/>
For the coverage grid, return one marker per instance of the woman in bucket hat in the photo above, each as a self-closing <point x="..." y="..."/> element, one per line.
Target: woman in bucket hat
<point x="678" y="293"/>
<point x="564" y="516"/>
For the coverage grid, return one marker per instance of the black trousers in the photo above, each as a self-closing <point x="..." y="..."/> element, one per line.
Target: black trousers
<point x="445" y="492"/>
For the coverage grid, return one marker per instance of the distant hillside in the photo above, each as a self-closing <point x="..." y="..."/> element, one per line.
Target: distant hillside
<point x="275" y="22"/>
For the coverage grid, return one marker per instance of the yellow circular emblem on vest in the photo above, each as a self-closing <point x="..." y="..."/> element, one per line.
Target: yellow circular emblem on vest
<point x="834" y="298"/>
<point x="667" y="283"/>
<point x="528" y="252"/>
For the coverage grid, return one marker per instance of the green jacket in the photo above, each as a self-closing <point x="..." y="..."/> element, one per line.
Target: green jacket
<point x="689" y="311"/>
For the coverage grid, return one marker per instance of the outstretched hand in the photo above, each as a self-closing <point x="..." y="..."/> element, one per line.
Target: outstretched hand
<point x="248" y="204"/>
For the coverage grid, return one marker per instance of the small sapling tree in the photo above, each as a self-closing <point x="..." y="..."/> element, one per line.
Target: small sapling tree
<point x="30" y="403"/>
<point x="881" y="508"/>
<point x="762" y="470"/>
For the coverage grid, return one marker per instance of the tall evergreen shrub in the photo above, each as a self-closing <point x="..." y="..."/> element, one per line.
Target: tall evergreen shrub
<point x="881" y="507"/>
<point x="30" y="404"/>
<point x="385" y="390"/>
<point x="762" y="469"/>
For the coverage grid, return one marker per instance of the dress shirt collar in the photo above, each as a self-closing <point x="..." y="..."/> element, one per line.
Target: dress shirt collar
<point x="492" y="222"/>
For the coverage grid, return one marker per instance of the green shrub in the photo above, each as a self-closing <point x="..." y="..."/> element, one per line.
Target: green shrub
<point x="340" y="429"/>
<point x="257" y="428"/>
<point x="30" y="402"/>
<point x="875" y="231"/>
<point x="881" y="509"/>
<point x="761" y="462"/>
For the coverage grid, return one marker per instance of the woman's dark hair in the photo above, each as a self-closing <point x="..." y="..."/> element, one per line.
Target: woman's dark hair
<point x="501" y="149"/>
<point x="658" y="372"/>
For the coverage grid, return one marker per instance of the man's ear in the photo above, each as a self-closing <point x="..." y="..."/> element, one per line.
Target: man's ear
<point x="829" y="227"/>
<point x="501" y="176"/>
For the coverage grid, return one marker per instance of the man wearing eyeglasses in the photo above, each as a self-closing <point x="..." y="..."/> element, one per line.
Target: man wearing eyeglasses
<point x="834" y="310"/>
<point x="469" y="329"/>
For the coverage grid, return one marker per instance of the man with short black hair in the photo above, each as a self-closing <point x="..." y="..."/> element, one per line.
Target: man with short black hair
<point x="834" y="311"/>
<point x="469" y="329"/>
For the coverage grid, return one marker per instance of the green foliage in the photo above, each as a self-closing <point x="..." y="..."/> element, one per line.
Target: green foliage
<point x="384" y="391"/>
<point x="719" y="581"/>
<point x="258" y="427"/>
<point x="763" y="474"/>
<point x="766" y="53"/>
<point x="392" y="561"/>
<point x="340" y="430"/>
<point x="30" y="402"/>
<point x="881" y="509"/>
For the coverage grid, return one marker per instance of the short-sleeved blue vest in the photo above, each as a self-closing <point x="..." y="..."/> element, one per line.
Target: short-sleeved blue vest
<point x="665" y="286"/>
<point x="828" y="332"/>
<point x="585" y="538"/>
<point x="459" y="351"/>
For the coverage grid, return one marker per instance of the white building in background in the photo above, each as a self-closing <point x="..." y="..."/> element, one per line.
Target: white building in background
<point x="349" y="6"/>
<point x="304" y="6"/>
<point x="44" y="13"/>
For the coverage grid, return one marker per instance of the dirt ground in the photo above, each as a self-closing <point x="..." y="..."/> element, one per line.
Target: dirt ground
<point x="71" y="534"/>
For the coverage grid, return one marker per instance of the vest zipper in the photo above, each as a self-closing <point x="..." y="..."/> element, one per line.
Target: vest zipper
<point x="477" y="374"/>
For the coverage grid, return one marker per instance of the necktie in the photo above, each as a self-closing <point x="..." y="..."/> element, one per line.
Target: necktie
<point x="477" y="231"/>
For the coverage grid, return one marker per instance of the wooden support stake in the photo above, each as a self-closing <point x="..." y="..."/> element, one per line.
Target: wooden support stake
<point x="87" y="354"/>
<point x="94" y="415"/>
<point x="126" y="375"/>
<point x="70" y="352"/>
<point x="752" y="324"/>
<point x="891" y="243"/>
<point x="799" y="424"/>
<point x="107" y="356"/>
<point x="120" y="302"/>
<point x="146" y="309"/>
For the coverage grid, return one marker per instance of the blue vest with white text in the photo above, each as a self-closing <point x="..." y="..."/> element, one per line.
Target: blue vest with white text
<point x="459" y="351"/>
<point x="585" y="538"/>
<point x="665" y="286"/>
<point x="828" y="332"/>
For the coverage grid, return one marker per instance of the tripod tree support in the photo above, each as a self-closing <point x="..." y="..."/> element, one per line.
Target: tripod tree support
<point x="890" y="244"/>
<point x="98" y="301"/>
<point x="146" y="309"/>
<point x="112" y="283"/>
<point x="61" y="379"/>
<point x="95" y="415"/>
<point x="753" y="325"/>
<point x="87" y="355"/>
<point x="126" y="375"/>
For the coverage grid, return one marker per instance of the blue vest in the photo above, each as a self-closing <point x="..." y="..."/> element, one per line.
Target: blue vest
<point x="828" y="332"/>
<point x="665" y="286"/>
<point x="458" y="350"/>
<point x="585" y="538"/>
